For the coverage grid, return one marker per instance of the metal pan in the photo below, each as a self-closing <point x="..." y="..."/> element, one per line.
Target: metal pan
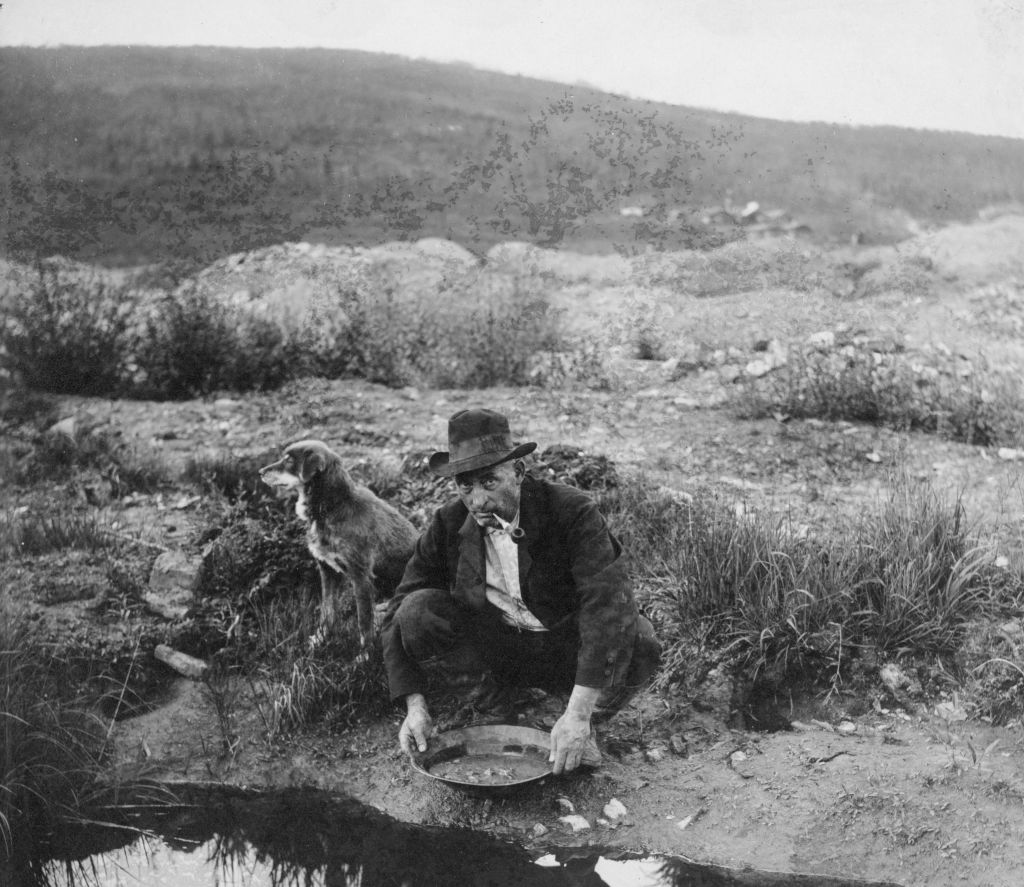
<point x="486" y="759"/>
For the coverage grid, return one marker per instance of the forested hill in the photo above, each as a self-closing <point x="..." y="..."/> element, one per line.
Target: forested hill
<point x="126" y="155"/>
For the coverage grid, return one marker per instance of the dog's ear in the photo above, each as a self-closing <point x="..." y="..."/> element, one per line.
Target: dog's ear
<point x="312" y="463"/>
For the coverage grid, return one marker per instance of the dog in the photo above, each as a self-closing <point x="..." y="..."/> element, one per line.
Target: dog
<point x="357" y="540"/>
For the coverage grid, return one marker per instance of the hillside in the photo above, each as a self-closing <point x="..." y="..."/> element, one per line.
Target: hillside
<point x="130" y="155"/>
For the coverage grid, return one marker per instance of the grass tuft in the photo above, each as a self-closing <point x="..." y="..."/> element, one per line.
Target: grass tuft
<point x="33" y="534"/>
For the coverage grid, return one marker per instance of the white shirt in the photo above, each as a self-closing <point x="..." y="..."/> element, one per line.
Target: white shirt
<point x="502" y="557"/>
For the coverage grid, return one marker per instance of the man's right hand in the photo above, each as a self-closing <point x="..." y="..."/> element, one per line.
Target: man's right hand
<point x="417" y="726"/>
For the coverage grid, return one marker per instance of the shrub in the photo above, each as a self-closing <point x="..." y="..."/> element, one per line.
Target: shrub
<point x="66" y="335"/>
<point x="741" y="266"/>
<point x="475" y="334"/>
<point x="192" y="343"/>
<point x="933" y="391"/>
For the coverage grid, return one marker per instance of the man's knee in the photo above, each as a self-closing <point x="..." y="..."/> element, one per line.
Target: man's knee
<point x="646" y="655"/>
<point x="634" y="677"/>
<point x="428" y="623"/>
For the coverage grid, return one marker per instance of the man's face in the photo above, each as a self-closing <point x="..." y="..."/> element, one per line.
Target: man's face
<point x="490" y="491"/>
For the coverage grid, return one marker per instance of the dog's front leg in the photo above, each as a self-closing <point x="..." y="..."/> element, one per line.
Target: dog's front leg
<point x="331" y="589"/>
<point x="363" y="590"/>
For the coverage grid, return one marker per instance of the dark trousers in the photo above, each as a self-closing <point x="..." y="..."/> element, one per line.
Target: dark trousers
<point x="433" y="628"/>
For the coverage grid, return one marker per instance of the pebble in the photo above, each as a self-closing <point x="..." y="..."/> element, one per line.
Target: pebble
<point x="576" y="823"/>
<point x="614" y="810"/>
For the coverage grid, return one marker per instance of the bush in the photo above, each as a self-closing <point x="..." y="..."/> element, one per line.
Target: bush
<point x="462" y="337"/>
<point x="932" y="391"/>
<point x="193" y="343"/>
<point x="68" y="336"/>
<point x="742" y="266"/>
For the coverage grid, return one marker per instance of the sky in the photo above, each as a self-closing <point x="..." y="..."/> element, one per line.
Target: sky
<point x="934" y="64"/>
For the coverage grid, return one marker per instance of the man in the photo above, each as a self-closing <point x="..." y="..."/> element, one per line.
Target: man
<point x="523" y="576"/>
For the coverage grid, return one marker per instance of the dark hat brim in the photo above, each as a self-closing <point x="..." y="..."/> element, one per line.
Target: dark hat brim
<point x="440" y="463"/>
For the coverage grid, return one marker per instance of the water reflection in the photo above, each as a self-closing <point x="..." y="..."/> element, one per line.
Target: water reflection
<point x="222" y="837"/>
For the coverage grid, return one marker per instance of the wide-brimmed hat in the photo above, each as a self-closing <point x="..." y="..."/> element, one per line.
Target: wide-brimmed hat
<point x="477" y="439"/>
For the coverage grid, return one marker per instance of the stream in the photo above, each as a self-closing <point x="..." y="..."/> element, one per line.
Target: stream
<point x="229" y="837"/>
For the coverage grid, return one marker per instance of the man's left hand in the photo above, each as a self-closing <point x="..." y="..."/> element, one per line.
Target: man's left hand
<point x="569" y="738"/>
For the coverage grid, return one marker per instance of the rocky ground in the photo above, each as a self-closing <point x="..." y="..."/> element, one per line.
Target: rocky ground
<point x="870" y="784"/>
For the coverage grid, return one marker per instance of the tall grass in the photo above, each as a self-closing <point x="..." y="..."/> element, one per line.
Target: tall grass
<point x="52" y="751"/>
<point x="906" y="577"/>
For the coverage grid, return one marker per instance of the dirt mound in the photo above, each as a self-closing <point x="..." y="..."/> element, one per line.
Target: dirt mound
<point x="983" y="252"/>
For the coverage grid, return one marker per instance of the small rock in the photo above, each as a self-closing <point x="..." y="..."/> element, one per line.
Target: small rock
<point x="758" y="368"/>
<point x="576" y="823"/>
<point x="654" y="755"/>
<point x="410" y="393"/>
<point x="226" y="403"/>
<point x="614" y="810"/>
<point x="893" y="677"/>
<point x="1008" y="454"/>
<point x="846" y="728"/>
<point x="951" y="711"/>
<point x="65" y="428"/>
<point x="678" y="745"/>
<point x="738" y="757"/>
<point x="1002" y="562"/>
<point x="873" y="456"/>
<point x="824" y="339"/>
<point x="182" y="663"/>
<point x="171" y="582"/>
<point x="539" y="829"/>
<point x="687" y="403"/>
<point x="565" y="804"/>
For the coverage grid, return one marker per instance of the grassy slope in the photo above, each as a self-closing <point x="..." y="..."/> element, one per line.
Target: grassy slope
<point x="129" y="154"/>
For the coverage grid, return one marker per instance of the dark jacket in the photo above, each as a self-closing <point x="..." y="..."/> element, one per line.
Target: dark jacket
<point x="572" y="574"/>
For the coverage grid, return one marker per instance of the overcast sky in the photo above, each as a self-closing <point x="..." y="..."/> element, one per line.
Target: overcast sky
<point x="938" y="64"/>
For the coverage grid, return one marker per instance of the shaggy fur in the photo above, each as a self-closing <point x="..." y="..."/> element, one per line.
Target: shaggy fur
<point x="357" y="540"/>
